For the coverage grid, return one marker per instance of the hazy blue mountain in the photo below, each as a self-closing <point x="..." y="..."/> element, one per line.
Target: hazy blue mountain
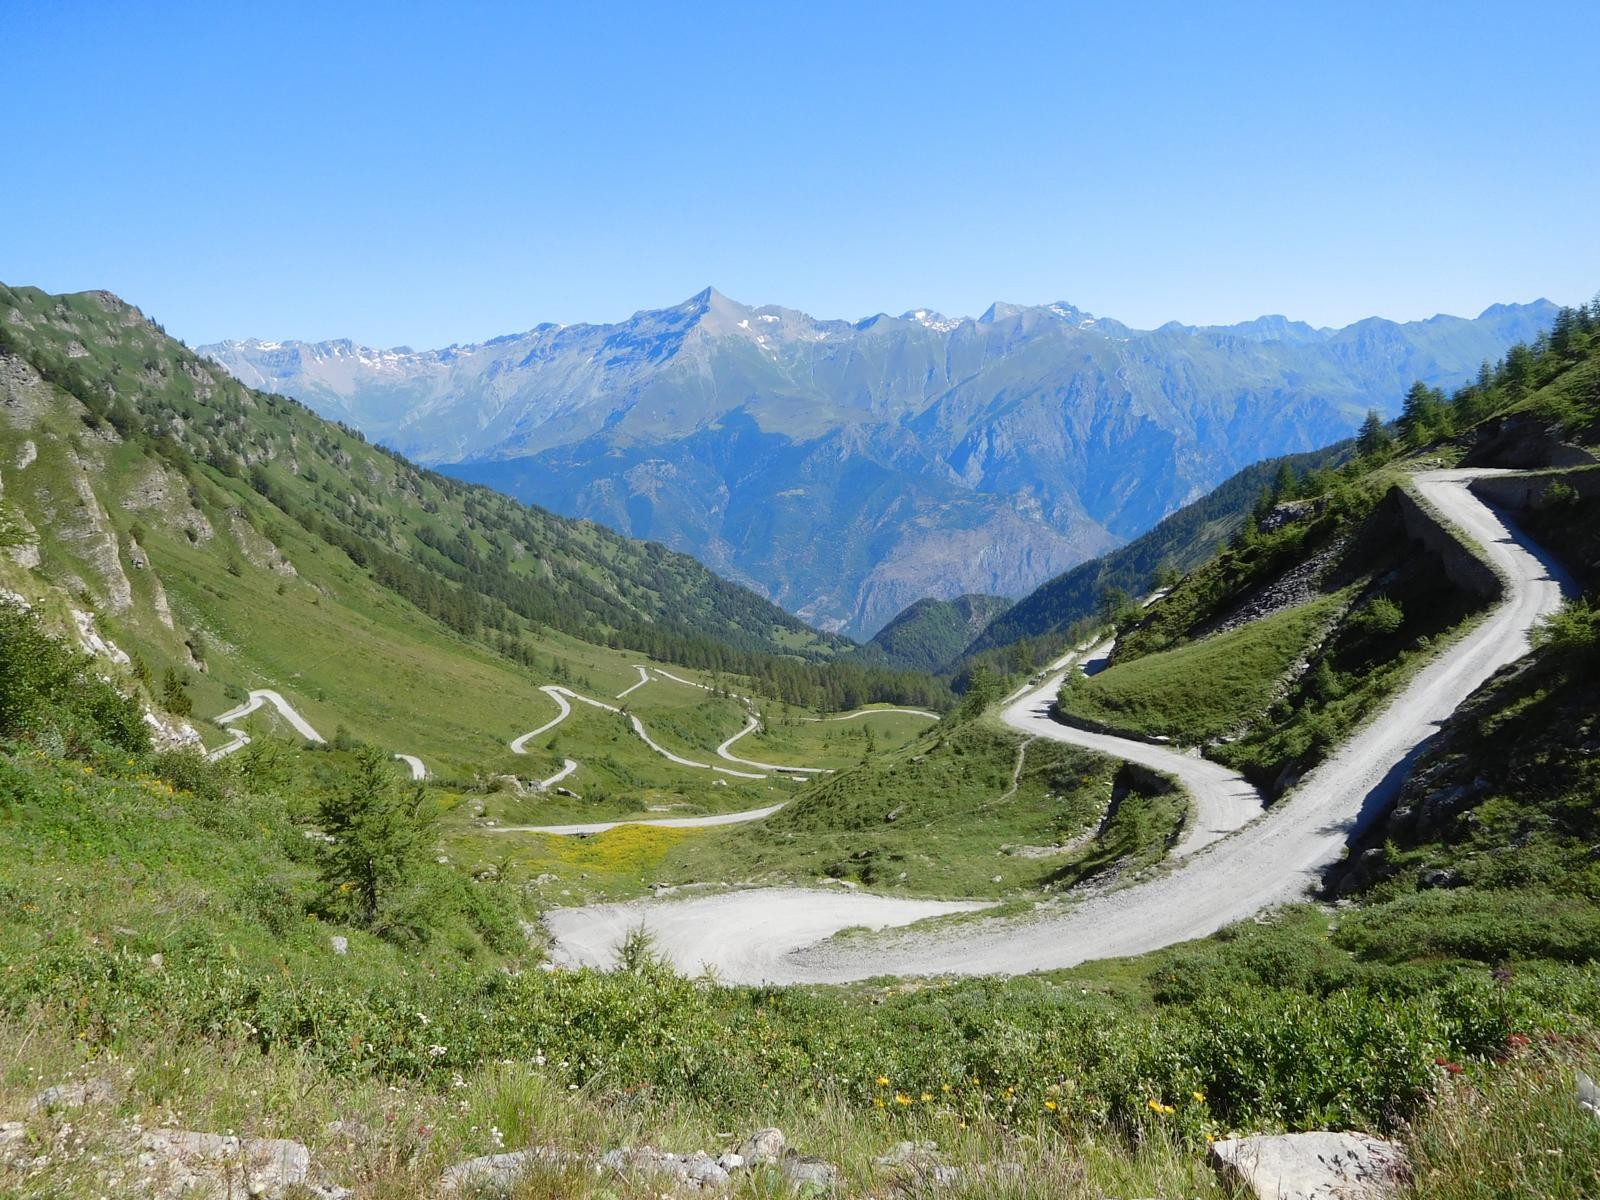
<point x="847" y="469"/>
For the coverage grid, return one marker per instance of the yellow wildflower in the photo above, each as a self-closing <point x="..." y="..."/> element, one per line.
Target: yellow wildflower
<point x="1051" y="1105"/>
<point x="901" y="1098"/>
<point x="883" y="1081"/>
<point x="1199" y="1096"/>
<point x="927" y="1097"/>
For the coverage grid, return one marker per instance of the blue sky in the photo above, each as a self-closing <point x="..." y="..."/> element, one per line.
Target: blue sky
<point x="425" y="174"/>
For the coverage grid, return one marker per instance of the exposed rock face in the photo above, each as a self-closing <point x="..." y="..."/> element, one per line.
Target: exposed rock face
<point x="499" y="1173"/>
<point x="1311" y="1166"/>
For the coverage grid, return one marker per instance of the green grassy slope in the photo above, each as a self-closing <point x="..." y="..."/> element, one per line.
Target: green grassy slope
<point x="1204" y="690"/>
<point x="173" y="446"/>
<point x="969" y="809"/>
<point x="1296" y="1022"/>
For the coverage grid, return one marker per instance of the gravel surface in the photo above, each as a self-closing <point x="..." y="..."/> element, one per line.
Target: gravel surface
<point x="746" y="936"/>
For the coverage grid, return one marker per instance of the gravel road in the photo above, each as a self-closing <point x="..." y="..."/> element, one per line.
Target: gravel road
<point x="765" y="925"/>
<point x="772" y="935"/>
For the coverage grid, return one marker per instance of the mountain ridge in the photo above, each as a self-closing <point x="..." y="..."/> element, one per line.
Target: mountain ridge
<point x="894" y="457"/>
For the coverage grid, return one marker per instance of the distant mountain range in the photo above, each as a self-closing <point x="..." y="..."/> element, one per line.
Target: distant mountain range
<point x="847" y="469"/>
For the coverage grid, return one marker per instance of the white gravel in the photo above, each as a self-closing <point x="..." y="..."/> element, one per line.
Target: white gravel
<point x="764" y="926"/>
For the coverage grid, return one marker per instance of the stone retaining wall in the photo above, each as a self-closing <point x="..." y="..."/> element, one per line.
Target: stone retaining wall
<point x="1461" y="566"/>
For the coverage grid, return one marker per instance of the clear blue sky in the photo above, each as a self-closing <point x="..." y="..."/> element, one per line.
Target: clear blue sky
<point x="425" y="174"/>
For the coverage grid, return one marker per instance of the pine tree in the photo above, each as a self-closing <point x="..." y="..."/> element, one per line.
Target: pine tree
<point x="1423" y="415"/>
<point x="380" y="833"/>
<point x="1374" y="437"/>
<point x="173" y="696"/>
<point x="1284" y="484"/>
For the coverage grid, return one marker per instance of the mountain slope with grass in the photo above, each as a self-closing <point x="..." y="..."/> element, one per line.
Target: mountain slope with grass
<point x="223" y="539"/>
<point x="1053" y="615"/>
<point x="297" y="944"/>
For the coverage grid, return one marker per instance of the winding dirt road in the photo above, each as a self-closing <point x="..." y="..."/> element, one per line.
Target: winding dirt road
<point x="562" y="696"/>
<point x="1222" y="801"/>
<point x="261" y="696"/>
<point x="767" y="925"/>
<point x="733" y="818"/>
<point x="1272" y="860"/>
<point x="415" y="765"/>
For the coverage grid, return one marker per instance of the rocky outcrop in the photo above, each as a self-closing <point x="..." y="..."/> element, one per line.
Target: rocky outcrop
<point x="1311" y="1166"/>
<point x="1523" y="441"/>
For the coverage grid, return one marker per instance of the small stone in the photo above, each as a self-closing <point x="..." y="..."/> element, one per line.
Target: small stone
<point x="1588" y="1095"/>
<point x="340" y="944"/>
<point x="707" y="1172"/>
<point x="731" y="1162"/>
<point x="73" y="1095"/>
<point x="763" y="1146"/>
<point x="811" y="1174"/>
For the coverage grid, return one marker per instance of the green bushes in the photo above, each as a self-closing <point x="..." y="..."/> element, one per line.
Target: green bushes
<point x="1573" y="633"/>
<point x="1258" y="1054"/>
<point x="49" y="694"/>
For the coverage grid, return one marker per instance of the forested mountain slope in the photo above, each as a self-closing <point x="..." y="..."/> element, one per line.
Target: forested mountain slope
<point x="1041" y="622"/>
<point x="210" y="526"/>
<point x="931" y="634"/>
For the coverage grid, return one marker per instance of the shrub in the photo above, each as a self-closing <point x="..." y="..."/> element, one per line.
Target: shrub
<point x="1573" y="633"/>
<point x="50" y="692"/>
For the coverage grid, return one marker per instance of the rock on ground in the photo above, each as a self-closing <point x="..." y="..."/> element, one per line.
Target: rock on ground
<point x="182" y="1163"/>
<point x="763" y="1146"/>
<point x="76" y="1094"/>
<point x="1311" y="1166"/>
<point x="498" y="1173"/>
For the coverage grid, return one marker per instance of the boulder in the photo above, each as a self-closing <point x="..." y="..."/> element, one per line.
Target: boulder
<point x="498" y="1174"/>
<point x="13" y="1140"/>
<point x="1311" y="1166"/>
<point x="763" y="1146"/>
<point x="76" y="1094"/>
<point x="810" y="1174"/>
<point x="180" y="1162"/>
